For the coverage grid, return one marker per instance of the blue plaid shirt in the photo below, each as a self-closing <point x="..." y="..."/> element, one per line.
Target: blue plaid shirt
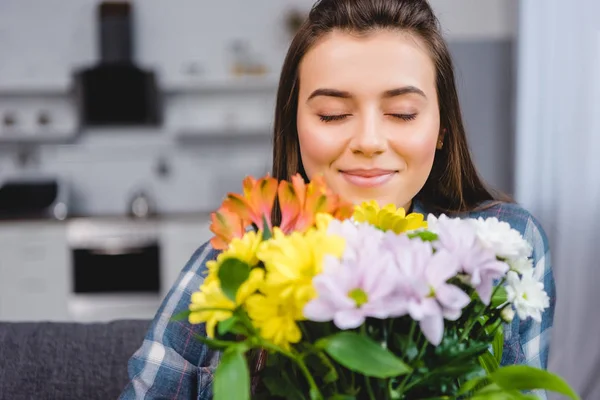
<point x="171" y="364"/>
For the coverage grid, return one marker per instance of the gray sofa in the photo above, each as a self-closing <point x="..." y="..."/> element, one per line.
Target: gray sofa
<point x="71" y="361"/>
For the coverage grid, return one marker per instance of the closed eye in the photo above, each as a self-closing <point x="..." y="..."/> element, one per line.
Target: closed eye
<point x="330" y="118"/>
<point x="404" y="117"/>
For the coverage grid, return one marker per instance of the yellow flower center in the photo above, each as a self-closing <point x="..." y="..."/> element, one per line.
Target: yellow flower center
<point x="359" y="296"/>
<point x="431" y="291"/>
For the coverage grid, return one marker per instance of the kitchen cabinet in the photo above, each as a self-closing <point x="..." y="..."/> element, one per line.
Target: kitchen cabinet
<point x="34" y="271"/>
<point x="180" y="238"/>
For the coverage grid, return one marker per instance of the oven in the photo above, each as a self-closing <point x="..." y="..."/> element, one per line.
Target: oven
<point x="115" y="269"/>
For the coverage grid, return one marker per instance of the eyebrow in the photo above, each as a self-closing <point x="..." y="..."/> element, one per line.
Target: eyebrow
<point x="387" y="94"/>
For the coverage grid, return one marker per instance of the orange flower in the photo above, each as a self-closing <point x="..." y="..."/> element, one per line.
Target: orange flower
<point x="226" y="226"/>
<point x="256" y="203"/>
<point x="300" y="203"/>
<point x="238" y="211"/>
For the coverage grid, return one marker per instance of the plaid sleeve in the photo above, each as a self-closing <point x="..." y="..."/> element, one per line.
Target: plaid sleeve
<point x="535" y="336"/>
<point x="528" y="342"/>
<point x="171" y="364"/>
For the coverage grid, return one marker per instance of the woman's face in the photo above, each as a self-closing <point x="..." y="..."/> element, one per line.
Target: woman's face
<point x="368" y="116"/>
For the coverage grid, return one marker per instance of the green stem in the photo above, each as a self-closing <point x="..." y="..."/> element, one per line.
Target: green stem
<point x="370" y="389"/>
<point x="385" y="334"/>
<point x="325" y="360"/>
<point x="424" y="377"/>
<point x="412" y="330"/>
<point x="467" y="331"/>
<point x="298" y="360"/>
<point x="304" y="332"/>
<point x="407" y="378"/>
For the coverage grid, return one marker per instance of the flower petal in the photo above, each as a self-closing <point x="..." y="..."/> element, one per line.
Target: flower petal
<point x="442" y="267"/>
<point x="397" y="306"/>
<point x="433" y="328"/>
<point x="484" y="290"/>
<point x="451" y="296"/>
<point x="290" y="204"/>
<point x="319" y="310"/>
<point x="331" y="291"/>
<point x="349" y="319"/>
<point x="226" y="225"/>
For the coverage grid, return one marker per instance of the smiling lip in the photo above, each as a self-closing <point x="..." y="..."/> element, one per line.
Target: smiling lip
<point x="367" y="178"/>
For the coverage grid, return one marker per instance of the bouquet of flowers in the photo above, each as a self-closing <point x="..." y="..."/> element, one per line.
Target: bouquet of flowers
<point x="342" y="302"/>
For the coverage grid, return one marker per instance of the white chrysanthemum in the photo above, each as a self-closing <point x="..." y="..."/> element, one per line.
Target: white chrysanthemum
<point x="503" y="240"/>
<point x="527" y="295"/>
<point x="521" y="265"/>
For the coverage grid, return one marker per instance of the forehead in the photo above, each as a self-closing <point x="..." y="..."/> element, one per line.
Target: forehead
<point x="377" y="60"/>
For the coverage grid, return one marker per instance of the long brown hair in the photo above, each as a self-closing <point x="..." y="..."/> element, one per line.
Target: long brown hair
<point x="453" y="184"/>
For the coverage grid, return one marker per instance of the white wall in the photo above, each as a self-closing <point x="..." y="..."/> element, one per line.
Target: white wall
<point x="42" y="41"/>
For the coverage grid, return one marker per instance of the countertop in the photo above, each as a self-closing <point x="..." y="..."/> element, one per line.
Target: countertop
<point x="182" y="216"/>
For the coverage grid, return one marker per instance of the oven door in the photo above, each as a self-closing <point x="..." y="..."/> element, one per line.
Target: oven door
<point x="115" y="272"/>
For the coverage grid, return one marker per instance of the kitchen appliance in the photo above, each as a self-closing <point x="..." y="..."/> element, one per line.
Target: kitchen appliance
<point x="34" y="197"/>
<point x="115" y="268"/>
<point x="116" y="91"/>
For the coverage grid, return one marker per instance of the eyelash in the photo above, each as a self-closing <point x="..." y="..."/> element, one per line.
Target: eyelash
<point x="331" y="118"/>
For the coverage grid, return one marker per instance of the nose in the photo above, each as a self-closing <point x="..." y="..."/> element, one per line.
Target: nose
<point x="368" y="138"/>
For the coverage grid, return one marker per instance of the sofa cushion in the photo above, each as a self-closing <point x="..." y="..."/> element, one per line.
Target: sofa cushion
<point x="67" y="360"/>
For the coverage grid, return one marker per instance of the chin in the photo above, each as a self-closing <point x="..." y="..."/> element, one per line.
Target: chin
<point x="382" y="200"/>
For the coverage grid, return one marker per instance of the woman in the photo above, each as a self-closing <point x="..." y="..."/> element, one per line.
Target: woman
<point x="367" y="97"/>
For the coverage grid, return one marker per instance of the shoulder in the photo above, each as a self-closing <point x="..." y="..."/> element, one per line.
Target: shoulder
<point x="517" y="217"/>
<point x="530" y="227"/>
<point x="191" y="276"/>
<point x="201" y="256"/>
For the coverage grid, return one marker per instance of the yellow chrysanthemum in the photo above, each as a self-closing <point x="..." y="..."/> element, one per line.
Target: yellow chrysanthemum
<point x="203" y="304"/>
<point x="244" y="249"/>
<point x="388" y="218"/>
<point x="322" y="221"/>
<point x="275" y="318"/>
<point x="210" y="304"/>
<point x="292" y="262"/>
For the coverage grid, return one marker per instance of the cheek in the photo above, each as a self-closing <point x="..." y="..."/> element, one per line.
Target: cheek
<point x="418" y="151"/>
<point x="319" y="147"/>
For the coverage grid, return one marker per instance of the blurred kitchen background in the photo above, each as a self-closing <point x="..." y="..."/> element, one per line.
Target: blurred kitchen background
<point x="123" y="125"/>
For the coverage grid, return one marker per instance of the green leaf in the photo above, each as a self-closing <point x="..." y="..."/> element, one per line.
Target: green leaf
<point x="499" y="297"/>
<point x="182" y="316"/>
<point x="488" y="362"/>
<point x="523" y="377"/>
<point x="363" y="355"/>
<point x="473" y="384"/>
<point x="495" y="392"/>
<point x="425" y="236"/>
<point x="232" y="377"/>
<point x="498" y="344"/>
<point x="232" y="273"/>
<point x="226" y="326"/>
<point x="314" y="394"/>
<point x="214" y="343"/>
<point x="342" y="397"/>
<point x="233" y="325"/>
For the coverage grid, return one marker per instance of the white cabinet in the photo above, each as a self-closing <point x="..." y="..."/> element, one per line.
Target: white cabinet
<point x="180" y="238"/>
<point x="34" y="271"/>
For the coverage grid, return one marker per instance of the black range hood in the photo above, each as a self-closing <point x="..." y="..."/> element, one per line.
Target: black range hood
<point x="115" y="91"/>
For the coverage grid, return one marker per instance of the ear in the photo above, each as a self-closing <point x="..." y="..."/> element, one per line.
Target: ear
<point x="441" y="136"/>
